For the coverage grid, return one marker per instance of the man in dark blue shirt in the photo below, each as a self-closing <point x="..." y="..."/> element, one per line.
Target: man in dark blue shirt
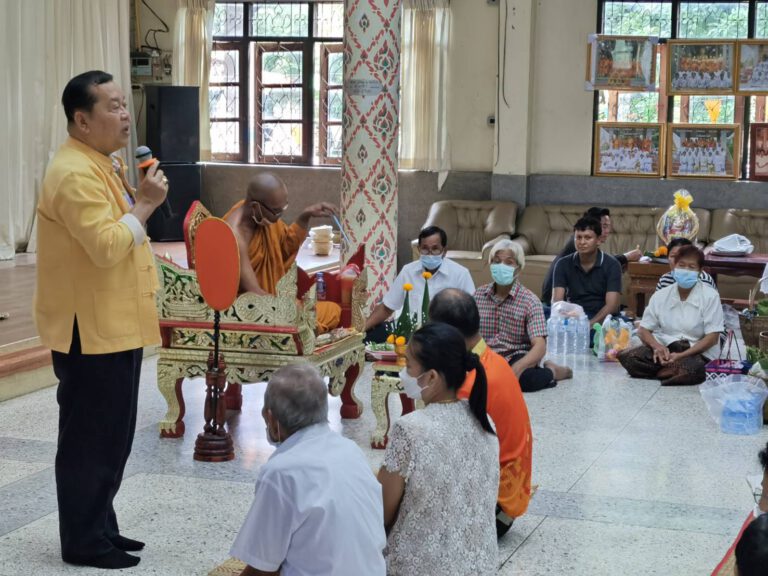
<point x="588" y="277"/>
<point x="604" y="216"/>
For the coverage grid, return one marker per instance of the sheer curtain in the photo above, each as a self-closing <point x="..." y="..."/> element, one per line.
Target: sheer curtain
<point x="45" y="43"/>
<point x="423" y="94"/>
<point x="192" y="44"/>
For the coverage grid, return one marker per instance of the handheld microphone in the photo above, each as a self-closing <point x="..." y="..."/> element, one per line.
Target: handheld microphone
<point x="144" y="160"/>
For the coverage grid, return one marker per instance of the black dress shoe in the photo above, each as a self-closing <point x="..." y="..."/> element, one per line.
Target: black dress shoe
<point x="126" y="544"/>
<point x="112" y="560"/>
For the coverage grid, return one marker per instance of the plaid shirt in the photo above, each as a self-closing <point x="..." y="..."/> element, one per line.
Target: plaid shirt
<point x="509" y="325"/>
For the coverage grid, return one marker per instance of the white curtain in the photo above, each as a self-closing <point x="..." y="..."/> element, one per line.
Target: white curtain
<point x="45" y="43"/>
<point x="426" y="31"/>
<point x="192" y="44"/>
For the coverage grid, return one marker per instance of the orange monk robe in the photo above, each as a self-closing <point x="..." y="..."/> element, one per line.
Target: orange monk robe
<point x="272" y="252"/>
<point x="507" y="408"/>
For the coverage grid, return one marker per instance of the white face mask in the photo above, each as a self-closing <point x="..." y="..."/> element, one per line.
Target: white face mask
<point x="757" y="512"/>
<point x="411" y="385"/>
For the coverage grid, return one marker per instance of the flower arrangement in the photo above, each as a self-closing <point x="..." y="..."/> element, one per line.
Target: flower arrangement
<point x="425" y="299"/>
<point x="402" y="329"/>
<point x="660" y="252"/>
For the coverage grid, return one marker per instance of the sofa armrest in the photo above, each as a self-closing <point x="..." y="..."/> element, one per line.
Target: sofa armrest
<point x="486" y="251"/>
<point x="415" y="250"/>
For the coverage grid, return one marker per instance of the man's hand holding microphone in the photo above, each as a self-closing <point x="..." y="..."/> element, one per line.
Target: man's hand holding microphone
<point x="153" y="188"/>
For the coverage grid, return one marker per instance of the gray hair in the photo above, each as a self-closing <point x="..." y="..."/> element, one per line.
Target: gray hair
<point x="297" y="397"/>
<point x="513" y="247"/>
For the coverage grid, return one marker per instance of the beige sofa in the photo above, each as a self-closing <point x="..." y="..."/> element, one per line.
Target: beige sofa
<point x="543" y="230"/>
<point x="472" y="227"/>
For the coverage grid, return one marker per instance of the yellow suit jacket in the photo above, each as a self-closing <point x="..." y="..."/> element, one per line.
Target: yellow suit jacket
<point x="87" y="264"/>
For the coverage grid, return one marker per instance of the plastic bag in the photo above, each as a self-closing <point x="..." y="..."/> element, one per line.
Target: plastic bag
<point x="735" y="403"/>
<point x="679" y="221"/>
<point x="731" y="321"/>
<point x="734" y="244"/>
<point x="612" y="337"/>
<point x="563" y="309"/>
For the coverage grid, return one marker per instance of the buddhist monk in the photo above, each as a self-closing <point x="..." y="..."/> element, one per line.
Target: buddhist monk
<point x="268" y="246"/>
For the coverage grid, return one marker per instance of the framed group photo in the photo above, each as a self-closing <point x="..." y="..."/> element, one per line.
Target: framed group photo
<point x="758" y="152"/>
<point x="703" y="151"/>
<point x="752" y="75"/>
<point x="701" y="66"/>
<point x="628" y="149"/>
<point x="621" y="63"/>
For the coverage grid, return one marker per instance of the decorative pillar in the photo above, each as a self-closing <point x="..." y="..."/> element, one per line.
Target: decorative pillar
<point x="370" y="127"/>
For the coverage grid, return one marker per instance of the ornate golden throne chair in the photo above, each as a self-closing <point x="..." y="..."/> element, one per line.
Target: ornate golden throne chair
<point x="259" y="334"/>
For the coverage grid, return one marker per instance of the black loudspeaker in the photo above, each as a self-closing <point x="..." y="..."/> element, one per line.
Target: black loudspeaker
<point x="173" y="122"/>
<point x="184" y="182"/>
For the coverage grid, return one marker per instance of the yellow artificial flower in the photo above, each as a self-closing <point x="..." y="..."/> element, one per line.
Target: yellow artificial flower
<point x="682" y="200"/>
<point x="391" y="339"/>
<point x="426" y="275"/>
<point x="400" y="341"/>
<point x="407" y="286"/>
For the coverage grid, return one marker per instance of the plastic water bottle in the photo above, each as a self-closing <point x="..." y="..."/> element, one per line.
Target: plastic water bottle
<point x="599" y="342"/>
<point x="320" y="286"/>
<point x="582" y="337"/>
<point x="561" y="336"/>
<point x="571" y="336"/>
<point x="552" y="336"/>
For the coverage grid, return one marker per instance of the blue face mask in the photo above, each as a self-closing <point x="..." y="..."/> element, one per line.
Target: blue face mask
<point x="503" y="274"/>
<point x="431" y="262"/>
<point x="685" y="278"/>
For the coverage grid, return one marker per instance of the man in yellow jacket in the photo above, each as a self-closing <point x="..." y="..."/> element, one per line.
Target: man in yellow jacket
<point x="95" y="309"/>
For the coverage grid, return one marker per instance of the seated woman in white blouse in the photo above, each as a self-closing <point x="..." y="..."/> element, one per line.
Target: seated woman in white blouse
<point x="440" y="476"/>
<point x="680" y="328"/>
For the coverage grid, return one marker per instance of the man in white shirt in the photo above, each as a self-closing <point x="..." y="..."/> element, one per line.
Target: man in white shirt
<point x="446" y="273"/>
<point x="318" y="507"/>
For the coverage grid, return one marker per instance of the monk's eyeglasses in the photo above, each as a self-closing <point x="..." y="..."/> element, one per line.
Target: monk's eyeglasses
<point x="275" y="213"/>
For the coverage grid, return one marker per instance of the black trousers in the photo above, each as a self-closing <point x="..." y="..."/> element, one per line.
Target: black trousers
<point x="535" y="378"/>
<point x="98" y="396"/>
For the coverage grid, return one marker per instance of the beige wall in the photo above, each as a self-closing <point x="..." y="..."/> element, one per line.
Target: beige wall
<point x="472" y="83"/>
<point x="561" y="114"/>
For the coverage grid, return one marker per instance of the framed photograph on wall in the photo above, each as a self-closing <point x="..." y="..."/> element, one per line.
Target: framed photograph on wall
<point x="628" y="149"/>
<point x="621" y="63"/>
<point x="752" y="68"/>
<point x="758" y="152"/>
<point x="703" y="151"/>
<point x="701" y="66"/>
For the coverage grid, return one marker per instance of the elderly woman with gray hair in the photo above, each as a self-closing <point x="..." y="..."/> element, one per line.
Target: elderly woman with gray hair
<point x="318" y="507"/>
<point x="512" y="320"/>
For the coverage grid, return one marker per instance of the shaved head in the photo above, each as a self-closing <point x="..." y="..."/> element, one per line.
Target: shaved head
<point x="267" y="188"/>
<point x="456" y="308"/>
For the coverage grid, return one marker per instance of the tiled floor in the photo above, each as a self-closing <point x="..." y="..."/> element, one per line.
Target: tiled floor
<point x="633" y="479"/>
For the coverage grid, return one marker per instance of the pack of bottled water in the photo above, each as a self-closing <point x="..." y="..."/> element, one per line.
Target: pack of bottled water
<point x="568" y="336"/>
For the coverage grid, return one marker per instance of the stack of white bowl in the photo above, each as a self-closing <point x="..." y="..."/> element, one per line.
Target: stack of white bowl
<point x="322" y="239"/>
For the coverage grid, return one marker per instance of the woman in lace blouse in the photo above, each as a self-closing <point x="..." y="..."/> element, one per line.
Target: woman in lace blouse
<point x="440" y="474"/>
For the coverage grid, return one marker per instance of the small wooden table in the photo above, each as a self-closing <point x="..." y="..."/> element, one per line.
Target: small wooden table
<point x="643" y="276"/>
<point x="751" y="265"/>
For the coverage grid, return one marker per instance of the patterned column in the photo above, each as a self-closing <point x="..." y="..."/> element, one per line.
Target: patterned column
<point x="370" y="128"/>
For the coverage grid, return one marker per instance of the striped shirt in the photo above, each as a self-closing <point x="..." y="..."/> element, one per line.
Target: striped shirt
<point x="508" y="326"/>
<point x="667" y="280"/>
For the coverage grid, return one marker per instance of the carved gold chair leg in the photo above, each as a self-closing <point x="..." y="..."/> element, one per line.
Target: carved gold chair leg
<point x="381" y="387"/>
<point x="169" y="380"/>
